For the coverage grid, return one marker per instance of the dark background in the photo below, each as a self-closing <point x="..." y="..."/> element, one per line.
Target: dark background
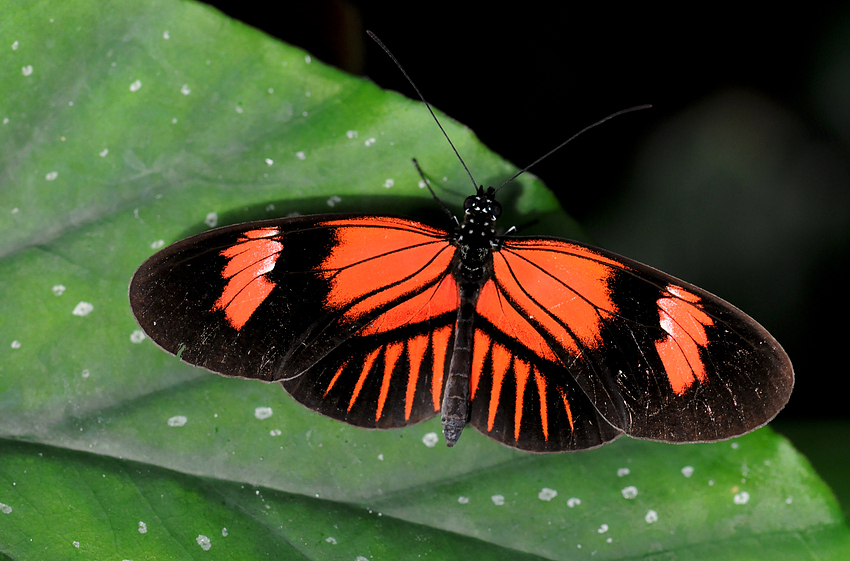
<point x="526" y="78"/>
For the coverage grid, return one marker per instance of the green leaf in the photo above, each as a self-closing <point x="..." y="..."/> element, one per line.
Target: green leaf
<point x="129" y="125"/>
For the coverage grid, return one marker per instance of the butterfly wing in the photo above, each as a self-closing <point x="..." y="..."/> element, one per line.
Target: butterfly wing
<point x="658" y="358"/>
<point x="352" y="314"/>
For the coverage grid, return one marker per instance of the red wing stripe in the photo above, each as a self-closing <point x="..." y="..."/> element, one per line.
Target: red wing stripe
<point x="567" y="408"/>
<point x="439" y="344"/>
<point x="685" y="326"/>
<point x="541" y="393"/>
<point x="335" y="378"/>
<point x="521" y="376"/>
<point x="254" y="255"/>
<point x="501" y="362"/>
<point x="392" y="352"/>
<point x="480" y="347"/>
<point x="416" y="347"/>
<point x="367" y="366"/>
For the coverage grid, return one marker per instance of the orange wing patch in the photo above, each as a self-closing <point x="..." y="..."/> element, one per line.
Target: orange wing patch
<point x="561" y="286"/>
<point x="685" y="325"/>
<point x="254" y="255"/>
<point x="380" y="260"/>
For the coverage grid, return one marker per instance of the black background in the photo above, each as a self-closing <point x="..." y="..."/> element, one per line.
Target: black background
<point x="525" y="78"/>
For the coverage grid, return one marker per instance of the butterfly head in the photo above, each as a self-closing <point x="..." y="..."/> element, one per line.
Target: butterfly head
<point x="481" y="211"/>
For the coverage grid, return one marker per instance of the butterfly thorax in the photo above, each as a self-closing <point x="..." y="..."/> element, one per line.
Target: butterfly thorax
<point x="475" y="238"/>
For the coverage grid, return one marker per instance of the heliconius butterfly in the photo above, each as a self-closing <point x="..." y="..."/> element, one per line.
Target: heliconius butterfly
<point x="542" y="344"/>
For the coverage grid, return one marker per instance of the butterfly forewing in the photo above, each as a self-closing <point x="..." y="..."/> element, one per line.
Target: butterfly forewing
<point x="658" y="358"/>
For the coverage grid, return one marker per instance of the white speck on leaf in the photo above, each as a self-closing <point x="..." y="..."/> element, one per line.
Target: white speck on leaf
<point x="651" y="517"/>
<point x="51" y="175"/>
<point x="165" y="35"/>
<point x="630" y="492"/>
<point x="389" y="183"/>
<point x="204" y="542"/>
<point x="622" y="472"/>
<point x="430" y="439"/>
<point x="136" y="86"/>
<point x="58" y="289"/>
<point x="5" y="509"/>
<point x="185" y="89"/>
<point x="263" y="412"/>
<point x="103" y="152"/>
<point x="331" y="540"/>
<point x="137" y="336"/>
<point x="27" y="70"/>
<point x="547" y="494"/>
<point x="177" y="421"/>
<point x="741" y="498"/>
<point x="16" y="344"/>
<point x="573" y="502"/>
<point x="351" y="134"/>
<point x="603" y="528"/>
<point x="301" y="155"/>
<point x="143" y="528"/>
<point x="211" y="220"/>
<point x="83" y="309"/>
<point x="463" y="500"/>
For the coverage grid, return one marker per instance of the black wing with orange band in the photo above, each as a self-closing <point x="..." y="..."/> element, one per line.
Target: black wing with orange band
<point x="354" y="315"/>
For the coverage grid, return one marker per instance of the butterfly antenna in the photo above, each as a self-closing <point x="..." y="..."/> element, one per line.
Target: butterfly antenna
<point x="428" y="105"/>
<point x="570" y="139"/>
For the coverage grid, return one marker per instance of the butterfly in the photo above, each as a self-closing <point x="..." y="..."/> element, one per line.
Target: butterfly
<point x="541" y="343"/>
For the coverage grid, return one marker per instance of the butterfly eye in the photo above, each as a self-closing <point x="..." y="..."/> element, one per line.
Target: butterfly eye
<point x="496" y="209"/>
<point x="470" y="203"/>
